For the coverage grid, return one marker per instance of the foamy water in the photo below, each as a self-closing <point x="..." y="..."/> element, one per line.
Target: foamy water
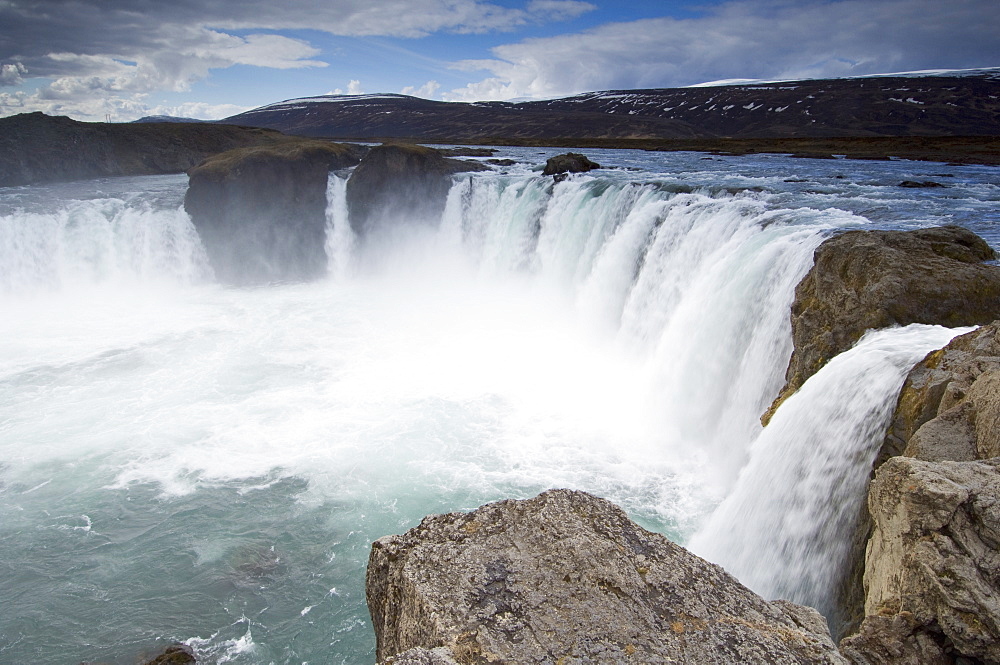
<point x="184" y="461"/>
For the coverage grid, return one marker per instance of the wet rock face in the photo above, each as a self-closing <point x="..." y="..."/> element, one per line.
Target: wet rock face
<point x="932" y="572"/>
<point x="261" y="212"/>
<point x="568" y="578"/>
<point x="875" y="279"/>
<point x="402" y="183"/>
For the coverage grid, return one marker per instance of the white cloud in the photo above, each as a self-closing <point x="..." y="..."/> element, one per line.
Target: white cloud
<point x="12" y="74"/>
<point x="745" y="39"/>
<point x="197" y="110"/>
<point x="354" y="87"/>
<point x="426" y="91"/>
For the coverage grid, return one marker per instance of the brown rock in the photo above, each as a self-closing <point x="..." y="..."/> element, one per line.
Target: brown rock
<point x="875" y="279"/>
<point x="949" y="407"/>
<point x="568" y="578"/>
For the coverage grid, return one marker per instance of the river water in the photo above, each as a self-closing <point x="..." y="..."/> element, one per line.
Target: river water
<point x="183" y="461"/>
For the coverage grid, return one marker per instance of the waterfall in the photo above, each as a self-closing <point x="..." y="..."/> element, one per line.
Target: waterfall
<point x="785" y="529"/>
<point x="99" y="241"/>
<point x="619" y="332"/>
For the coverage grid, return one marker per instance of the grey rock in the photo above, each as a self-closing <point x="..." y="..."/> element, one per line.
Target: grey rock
<point x="261" y="211"/>
<point x="863" y="280"/>
<point x="565" y="578"/>
<point x="421" y="656"/>
<point x="401" y="183"/>
<point x="933" y="562"/>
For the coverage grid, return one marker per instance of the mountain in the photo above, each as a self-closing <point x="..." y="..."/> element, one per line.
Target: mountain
<point x="951" y="104"/>
<point x="166" y="118"/>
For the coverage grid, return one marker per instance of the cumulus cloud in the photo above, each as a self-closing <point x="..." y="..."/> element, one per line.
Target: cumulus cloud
<point x="124" y="48"/>
<point x="745" y="39"/>
<point x="426" y="91"/>
<point x="12" y="74"/>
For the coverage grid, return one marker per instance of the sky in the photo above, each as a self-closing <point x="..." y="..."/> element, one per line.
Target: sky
<point x="209" y="59"/>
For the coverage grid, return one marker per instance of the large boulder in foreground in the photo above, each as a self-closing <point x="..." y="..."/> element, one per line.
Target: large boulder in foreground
<point x="863" y="280"/>
<point x="949" y="407"/>
<point x="566" y="577"/>
<point x="932" y="571"/>
<point x="261" y="211"/>
<point x="401" y="183"/>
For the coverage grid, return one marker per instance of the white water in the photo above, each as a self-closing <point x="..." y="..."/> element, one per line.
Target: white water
<point x="231" y="453"/>
<point x="786" y="528"/>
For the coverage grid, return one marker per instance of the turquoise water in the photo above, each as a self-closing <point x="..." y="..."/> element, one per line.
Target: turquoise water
<point x="180" y="461"/>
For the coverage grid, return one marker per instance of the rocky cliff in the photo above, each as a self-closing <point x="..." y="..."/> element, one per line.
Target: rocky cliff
<point x="397" y="182"/>
<point x="863" y="280"/>
<point x="932" y="568"/>
<point x="261" y="211"/>
<point x="568" y="578"/>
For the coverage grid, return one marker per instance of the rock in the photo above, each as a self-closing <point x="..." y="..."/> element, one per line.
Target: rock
<point x="893" y="639"/>
<point x="261" y="211"/>
<point x="920" y="184"/>
<point x="396" y="182"/>
<point x="874" y="279"/>
<point x="566" y="577"/>
<point x="178" y="654"/>
<point x="933" y="562"/>
<point x="571" y="162"/>
<point x="421" y="656"/>
<point x="949" y="407"/>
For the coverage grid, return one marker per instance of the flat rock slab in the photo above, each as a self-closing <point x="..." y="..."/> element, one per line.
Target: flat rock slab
<point x="566" y="578"/>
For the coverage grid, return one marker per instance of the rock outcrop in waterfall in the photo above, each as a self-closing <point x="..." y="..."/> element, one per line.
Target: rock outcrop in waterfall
<point x="261" y="211"/>
<point x="932" y="568"/>
<point x="401" y="182"/>
<point x="567" y="577"/>
<point x="865" y="280"/>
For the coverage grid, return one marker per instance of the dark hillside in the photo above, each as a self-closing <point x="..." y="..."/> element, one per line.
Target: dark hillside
<point x="36" y="148"/>
<point x="930" y="106"/>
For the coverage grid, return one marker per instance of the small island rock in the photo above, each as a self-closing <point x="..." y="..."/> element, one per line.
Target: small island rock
<point x="261" y="211"/>
<point x="571" y="162"/>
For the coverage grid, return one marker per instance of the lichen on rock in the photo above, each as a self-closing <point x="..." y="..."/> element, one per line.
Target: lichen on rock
<point x="566" y="577"/>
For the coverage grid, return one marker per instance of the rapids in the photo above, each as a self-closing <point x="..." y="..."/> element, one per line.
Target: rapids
<point x="184" y="461"/>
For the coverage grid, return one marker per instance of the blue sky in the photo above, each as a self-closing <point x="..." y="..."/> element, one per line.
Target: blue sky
<point x="90" y="59"/>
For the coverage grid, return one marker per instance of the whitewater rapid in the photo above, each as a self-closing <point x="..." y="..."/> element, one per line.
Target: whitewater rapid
<point x="209" y="464"/>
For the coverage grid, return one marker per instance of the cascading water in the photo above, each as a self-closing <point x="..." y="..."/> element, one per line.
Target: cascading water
<point x="785" y="529"/>
<point x="183" y="461"/>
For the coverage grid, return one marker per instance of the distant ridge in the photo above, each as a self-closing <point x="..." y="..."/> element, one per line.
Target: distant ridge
<point x="963" y="103"/>
<point x="166" y="118"/>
